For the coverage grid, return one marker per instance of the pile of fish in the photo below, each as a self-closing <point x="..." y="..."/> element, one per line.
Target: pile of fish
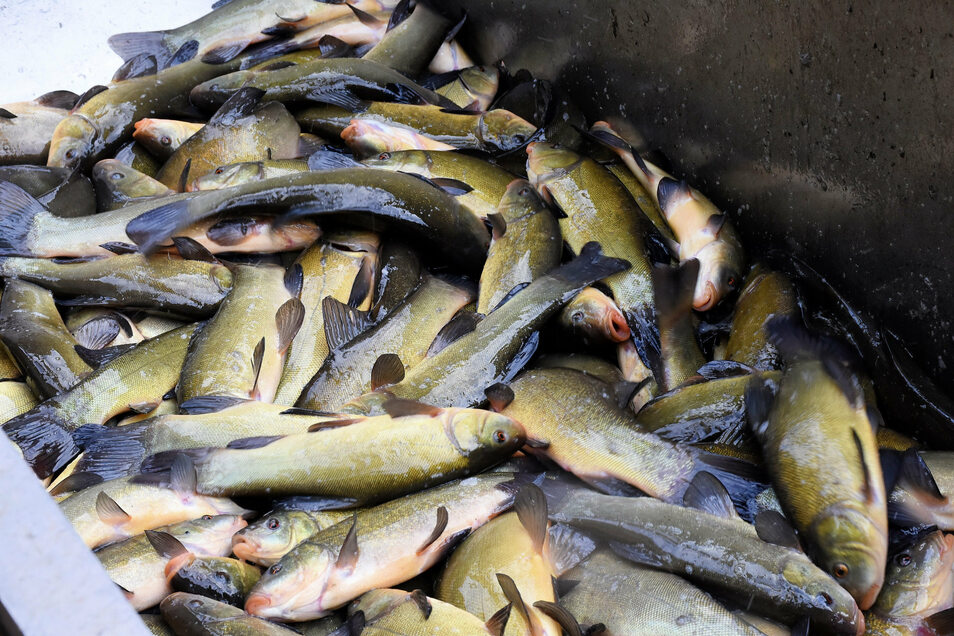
<point x="312" y="325"/>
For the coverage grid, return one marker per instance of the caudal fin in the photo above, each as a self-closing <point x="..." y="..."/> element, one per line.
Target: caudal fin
<point x="129" y="45"/>
<point x="44" y="439"/>
<point x="18" y="214"/>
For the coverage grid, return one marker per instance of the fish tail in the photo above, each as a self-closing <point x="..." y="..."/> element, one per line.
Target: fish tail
<point x="590" y="266"/>
<point x="110" y="453"/>
<point x="18" y="214"/>
<point x="44" y="438"/>
<point x="155" y="43"/>
<point x="157" y="469"/>
<point x="673" y="288"/>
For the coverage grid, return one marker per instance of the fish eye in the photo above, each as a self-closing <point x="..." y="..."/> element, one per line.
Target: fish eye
<point x="222" y="576"/>
<point x="524" y="191"/>
<point x="272" y="524"/>
<point x="732" y="282"/>
<point x="219" y="171"/>
<point x="499" y="436"/>
<point x="903" y="559"/>
<point x="195" y="603"/>
<point x="519" y="138"/>
<point x="825" y="598"/>
<point x="384" y="156"/>
<point x="71" y="153"/>
<point x="576" y="316"/>
<point x="165" y="140"/>
<point x="116" y="176"/>
<point x="207" y="517"/>
<point x="840" y="570"/>
<point x="275" y="569"/>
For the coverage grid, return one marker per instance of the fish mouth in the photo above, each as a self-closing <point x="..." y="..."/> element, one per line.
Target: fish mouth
<point x="245" y="548"/>
<point x="869" y="597"/>
<point x="708" y="299"/>
<point x="616" y="327"/>
<point x="257" y="603"/>
<point x="859" y="621"/>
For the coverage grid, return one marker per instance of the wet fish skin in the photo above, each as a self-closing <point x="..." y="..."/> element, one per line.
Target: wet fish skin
<point x="766" y="293"/>
<point x="64" y="192"/>
<point x="475" y="87"/>
<point x="118" y="185"/>
<point x="16" y="398"/>
<point x="25" y="138"/>
<point x="215" y="576"/>
<point x="244" y="171"/>
<point x="412" y="43"/>
<point x="389" y="611"/>
<point x="594" y="316"/>
<point x="162" y="137"/>
<point x="277" y="533"/>
<point x="196" y="615"/>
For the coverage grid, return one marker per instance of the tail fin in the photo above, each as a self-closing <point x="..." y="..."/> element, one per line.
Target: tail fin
<point x="113" y="453"/>
<point x="18" y="214"/>
<point x="590" y="266"/>
<point x="44" y="439"/>
<point x="673" y="288"/>
<point x="157" y="469"/>
<point x="129" y="45"/>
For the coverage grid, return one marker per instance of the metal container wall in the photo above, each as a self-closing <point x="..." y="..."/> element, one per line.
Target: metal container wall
<point x="825" y="129"/>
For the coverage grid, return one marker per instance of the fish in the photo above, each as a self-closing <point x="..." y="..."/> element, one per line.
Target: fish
<point x="64" y="192"/>
<point x="680" y="356"/>
<point x="118" y="185"/>
<point x="215" y="576"/>
<point x="410" y="44"/>
<point x="834" y="493"/>
<point x="232" y="26"/>
<point x="162" y="137"/>
<point x="396" y="201"/>
<point x="525" y="245"/>
<point x="500" y="343"/>
<point x="240" y="351"/>
<point x="197" y="614"/>
<point x="16" y="398"/>
<point x="390" y="611"/>
<point x="135" y="380"/>
<point x="582" y="362"/>
<point x="766" y="293"/>
<point x="244" y="171"/>
<point x="334" y="461"/>
<point x="278" y="532"/>
<point x="342" y="268"/>
<point x="162" y="282"/>
<point x="98" y="328"/>
<point x="702" y="230"/>
<point x="36" y="337"/>
<point x="643" y="199"/>
<point x="403" y="337"/>
<point x="379" y="547"/>
<point x="922" y="492"/>
<point x="595" y="317"/>
<point x="712" y="547"/>
<point x="138" y="565"/>
<point x="114" y="510"/>
<point x="451" y="56"/>
<point x="26" y="127"/>
<point x="473" y="87"/>
<point x="242" y="129"/>
<point x="643" y="601"/>
<point x="135" y="155"/>
<point x="366" y="138"/>
<point x="399" y="274"/>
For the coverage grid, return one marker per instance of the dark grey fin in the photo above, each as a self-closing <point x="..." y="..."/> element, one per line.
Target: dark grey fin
<point x="320" y="426"/>
<point x="294" y="280"/>
<point x="458" y="326"/>
<point x="869" y="487"/>
<point x="498" y="225"/>
<point x="707" y="493"/>
<point x="120" y="248"/>
<point x="454" y="30"/>
<point x="607" y="138"/>
<point x="108" y="511"/>
<point x="890" y="467"/>
<point x="137" y="66"/>
<point x="116" y="453"/>
<point x="715" y="223"/>
<point x="184" y="175"/>
<point x="43" y="438"/>
<point x="941" y="622"/>
<point x="625" y="391"/>
<point x="434" y="82"/>
<point x="499" y="395"/>
<point x="89" y="94"/>
<point x="915" y="475"/>
<point x="166" y="545"/>
<point x="203" y="404"/>
<point x="342" y="323"/>
<point x="348" y="554"/>
<point x="159" y="464"/>
<point x="277" y="66"/>
<point x="182" y="475"/>
<point x="510" y="294"/>
<point x="802" y="627"/>
<point x="363" y="283"/>
<point x="420" y="599"/>
<point x="673" y="289"/>
<point x="6" y="114"/>
<point x="668" y="189"/>
<point x="247" y="443"/>
<point x="399" y="14"/>
<point x="530" y="505"/>
<point x="58" y="99"/>
<point x="438" y="530"/>
<point x="541" y="444"/>
<point x="497" y="623"/>
<point x="772" y="527"/>
<point x="512" y="594"/>
<point x="328" y="160"/>
<point x="288" y="320"/>
<point x="88" y="433"/>
<point x="150" y="229"/>
<point x="129" y="45"/>
<point x="330" y="47"/>
<point x="562" y="587"/>
<point x="338" y="97"/>
<point x="595" y="629"/>
<point x="743" y="480"/>
<point x="351" y="627"/>
<point x="659" y="248"/>
<point x="17" y="212"/>
<point x="143" y="407"/>
<point x="191" y="250"/>
<point x="364" y="17"/>
<point x="184" y="53"/>
<point x="568" y="547"/>
<point x="398" y="407"/>
<point x="279" y="31"/>
<point x="716" y="369"/>
<point x="759" y="398"/>
<point x="98" y="357"/>
<point x="298" y="410"/>
<point x="561" y="616"/>
<point x="388" y="369"/>
<point x="637" y="554"/>
<point x="453" y="187"/>
<point x="522" y="357"/>
<point x="258" y="355"/>
<point x="610" y="485"/>
<point x="874" y="418"/>
<point x="223" y="54"/>
<point x="97" y="332"/>
<point x="645" y="333"/>
<point x="558" y="213"/>
<point x="76" y="481"/>
<point x="241" y="103"/>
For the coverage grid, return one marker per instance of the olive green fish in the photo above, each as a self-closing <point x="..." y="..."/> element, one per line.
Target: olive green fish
<point x="368" y="137"/>
<point x="216" y="577"/>
<point x="680" y="356"/>
<point x="922" y="493"/>
<point x="162" y="137"/>
<point x="26" y="127"/>
<point x="473" y="88"/>
<point x="389" y="611"/>
<point x="766" y="294"/>
<point x="408" y="46"/>
<point x="594" y="316"/>
<point x="245" y="171"/>
<point x="399" y="274"/>
<point x="118" y="185"/>
<point x="16" y="398"/>
<point x="274" y="535"/>
<point x="64" y="192"/>
<point x="196" y="615"/>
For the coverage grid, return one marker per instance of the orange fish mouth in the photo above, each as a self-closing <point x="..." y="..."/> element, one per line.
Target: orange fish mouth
<point x="257" y="603"/>
<point x="708" y="300"/>
<point x="244" y="548"/>
<point x="616" y="327"/>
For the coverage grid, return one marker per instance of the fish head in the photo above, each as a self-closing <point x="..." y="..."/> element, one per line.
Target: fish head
<point x="594" y="314"/>
<point x="228" y="176"/>
<point x="211" y="530"/>
<point x="919" y="579"/>
<point x="161" y="136"/>
<point x="546" y="163"/>
<point x="720" y="274"/>
<point x="262" y="234"/>
<point x="852" y="547"/>
<point x="182" y="608"/>
<point x="403" y="160"/>
<point x="482" y="83"/>
<point x="520" y="199"/>
<point x="483" y="433"/>
<point x="265" y="541"/>
<point x="72" y="142"/>
<point x="829" y="605"/>
<point x="504" y="130"/>
<point x="113" y="175"/>
<point x="214" y="92"/>
<point x="293" y="589"/>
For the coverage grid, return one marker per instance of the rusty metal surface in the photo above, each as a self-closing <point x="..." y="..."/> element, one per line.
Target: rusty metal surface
<point x="824" y="129"/>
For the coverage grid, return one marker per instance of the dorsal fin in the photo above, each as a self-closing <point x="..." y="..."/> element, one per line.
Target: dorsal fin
<point x="348" y="554"/>
<point x="288" y="320"/>
<point x="294" y="279"/>
<point x="706" y="493"/>
<point x="138" y="65"/>
<point x="423" y="604"/>
<point x="438" y="530"/>
<point x="209" y="404"/>
<point x="6" y="114"/>
<point x="258" y="355"/>
<point x="400" y="13"/>
<point x="90" y="93"/>
<point x="98" y="357"/>
<point x="109" y="511"/>
<point x="191" y="250"/>
<point x="530" y="505"/>
<point x="58" y="99"/>
<point x="916" y="476"/>
<point x="342" y="323"/>
<point x="772" y="527"/>
<point x="398" y="407"/>
<point x="497" y="623"/>
<point x="499" y="395"/>
<point x="458" y="326"/>
<point x="363" y="283"/>
<point x="758" y="398"/>
<point x="98" y="332"/>
<point x="512" y="594"/>
<point x="364" y="17"/>
<point x="567" y="546"/>
<point x="561" y="615"/>
<point x="77" y="481"/>
<point x="387" y="370"/>
<point x="240" y="104"/>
